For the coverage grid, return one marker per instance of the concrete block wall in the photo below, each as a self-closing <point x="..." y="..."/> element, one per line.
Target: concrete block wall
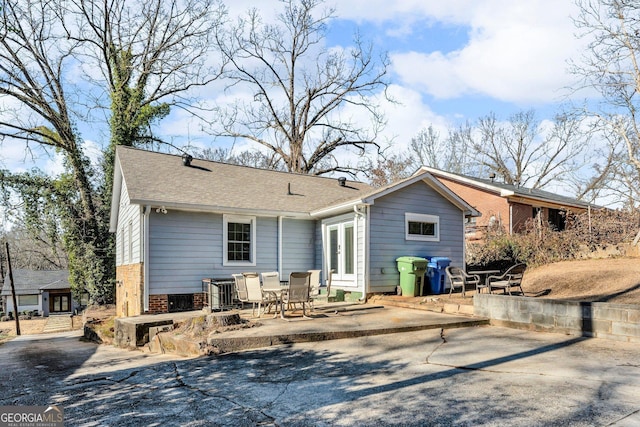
<point x="592" y="319"/>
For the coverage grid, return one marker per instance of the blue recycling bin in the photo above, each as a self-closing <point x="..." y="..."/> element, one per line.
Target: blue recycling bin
<point x="437" y="276"/>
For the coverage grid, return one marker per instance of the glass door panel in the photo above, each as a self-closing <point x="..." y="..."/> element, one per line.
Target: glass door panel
<point x="341" y="248"/>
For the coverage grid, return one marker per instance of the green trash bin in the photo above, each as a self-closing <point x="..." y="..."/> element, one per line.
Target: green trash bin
<point x="412" y="269"/>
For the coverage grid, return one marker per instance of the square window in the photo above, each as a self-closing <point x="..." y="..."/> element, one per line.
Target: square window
<point x="422" y="227"/>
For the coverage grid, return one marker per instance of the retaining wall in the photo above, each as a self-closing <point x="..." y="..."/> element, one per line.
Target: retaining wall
<point x="592" y="319"/>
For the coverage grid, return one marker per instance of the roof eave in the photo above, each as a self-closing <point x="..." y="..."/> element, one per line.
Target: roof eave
<point x="115" y="196"/>
<point x="337" y="209"/>
<point x="517" y="197"/>
<point x="219" y="209"/>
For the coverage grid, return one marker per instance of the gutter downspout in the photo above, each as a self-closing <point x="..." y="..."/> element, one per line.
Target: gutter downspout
<point x="464" y="242"/>
<point x="280" y="246"/>
<point x="145" y="256"/>
<point x="365" y="276"/>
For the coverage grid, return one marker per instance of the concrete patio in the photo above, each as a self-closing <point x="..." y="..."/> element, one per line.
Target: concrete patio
<point x="328" y="321"/>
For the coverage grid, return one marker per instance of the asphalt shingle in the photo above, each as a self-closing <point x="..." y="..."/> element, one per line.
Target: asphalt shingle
<point x="162" y="179"/>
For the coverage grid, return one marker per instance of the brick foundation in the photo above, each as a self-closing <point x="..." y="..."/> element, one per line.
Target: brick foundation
<point x="198" y="301"/>
<point x="158" y="304"/>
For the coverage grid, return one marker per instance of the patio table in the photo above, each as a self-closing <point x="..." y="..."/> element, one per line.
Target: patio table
<point x="484" y="275"/>
<point x="276" y="294"/>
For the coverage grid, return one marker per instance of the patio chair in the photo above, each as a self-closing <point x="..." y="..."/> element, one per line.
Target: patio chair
<point x="254" y="292"/>
<point x="296" y="292"/>
<point x="512" y="278"/>
<point x="329" y="277"/>
<point x="271" y="288"/>
<point x="241" y="288"/>
<point x="314" y="289"/>
<point x="460" y="279"/>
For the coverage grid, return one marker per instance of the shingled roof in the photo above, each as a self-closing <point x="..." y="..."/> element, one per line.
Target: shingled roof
<point x="28" y="282"/>
<point x="153" y="178"/>
<point x="509" y="190"/>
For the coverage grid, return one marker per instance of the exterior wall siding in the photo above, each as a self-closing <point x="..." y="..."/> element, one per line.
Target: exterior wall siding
<point x="21" y="308"/>
<point x="387" y="238"/>
<point x="128" y="245"/>
<point x="186" y="247"/>
<point x="298" y="246"/>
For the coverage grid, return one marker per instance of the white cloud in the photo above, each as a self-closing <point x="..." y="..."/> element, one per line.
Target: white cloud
<point x="407" y="118"/>
<point x="516" y="52"/>
<point x="407" y="11"/>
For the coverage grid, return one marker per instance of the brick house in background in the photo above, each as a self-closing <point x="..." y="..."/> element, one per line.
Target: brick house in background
<point x="507" y="205"/>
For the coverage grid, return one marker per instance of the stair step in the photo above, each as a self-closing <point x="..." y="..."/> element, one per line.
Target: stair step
<point x="58" y="324"/>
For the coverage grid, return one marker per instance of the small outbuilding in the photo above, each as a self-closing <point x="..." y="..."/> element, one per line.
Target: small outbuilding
<point x="43" y="291"/>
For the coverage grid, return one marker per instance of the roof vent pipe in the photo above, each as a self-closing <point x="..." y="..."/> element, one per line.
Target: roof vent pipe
<point x="342" y="181"/>
<point x="492" y="176"/>
<point x="289" y="193"/>
<point x="186" y="159"/>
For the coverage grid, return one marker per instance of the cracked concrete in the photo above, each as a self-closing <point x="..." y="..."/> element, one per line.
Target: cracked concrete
<point x="481" y="376"/>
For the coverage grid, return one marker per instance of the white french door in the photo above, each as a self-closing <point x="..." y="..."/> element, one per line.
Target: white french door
<point x="341" y="254"/>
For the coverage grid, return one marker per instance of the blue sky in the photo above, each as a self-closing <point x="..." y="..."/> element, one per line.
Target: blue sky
<point x="451" y="61"/>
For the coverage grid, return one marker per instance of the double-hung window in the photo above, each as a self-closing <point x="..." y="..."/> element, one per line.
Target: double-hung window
<point x="239" y="240"/>
<point x="422" y="227"/>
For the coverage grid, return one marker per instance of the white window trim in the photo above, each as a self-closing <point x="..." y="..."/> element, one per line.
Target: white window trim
<point x="22" y="304"/>
<point x="414" y="217"/>
<point x="226" y="219"/>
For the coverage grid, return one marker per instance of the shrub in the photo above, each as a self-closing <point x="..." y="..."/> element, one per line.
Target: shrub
<point x="541" y="244"/>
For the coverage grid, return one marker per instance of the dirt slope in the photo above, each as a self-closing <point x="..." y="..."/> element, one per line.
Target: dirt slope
<point x="614" y="280"/>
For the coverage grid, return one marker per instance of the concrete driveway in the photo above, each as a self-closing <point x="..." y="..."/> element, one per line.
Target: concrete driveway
<point x="479" y="376"/>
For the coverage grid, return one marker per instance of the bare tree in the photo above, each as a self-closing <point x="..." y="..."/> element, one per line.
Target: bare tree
<point x="254" y="159"/>
<point x="388" y="169"/>
<point x="33" y="56"/>
<point x="152" y="55"/>
<point x="522" y="152"/>
<point x="611" y="66"/>
<point x="450" y="153"/>
<point x="303" y="94"/>
<point x="35" y="251"/>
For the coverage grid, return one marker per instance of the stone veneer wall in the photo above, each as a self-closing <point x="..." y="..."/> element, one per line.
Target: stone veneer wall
<point x="592" y="319"/>
<point x="129" y="289"/>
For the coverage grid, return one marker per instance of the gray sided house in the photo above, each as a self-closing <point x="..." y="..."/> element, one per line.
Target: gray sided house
<point x="44" y="291"/>
<point x="180" y="220"/>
